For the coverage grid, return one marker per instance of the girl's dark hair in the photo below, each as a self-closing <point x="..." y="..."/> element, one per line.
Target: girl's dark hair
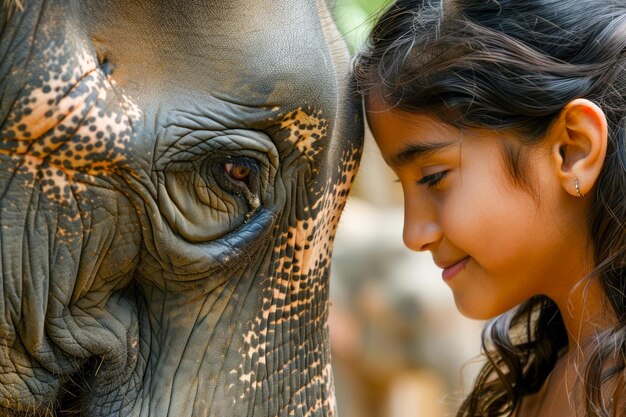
<point x="515" y="64"/>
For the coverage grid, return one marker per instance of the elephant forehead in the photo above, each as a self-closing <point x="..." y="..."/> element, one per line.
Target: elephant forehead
<point x="265" y="52"/>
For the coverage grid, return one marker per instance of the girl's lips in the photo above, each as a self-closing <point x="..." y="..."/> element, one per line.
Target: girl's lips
<point x="454" y="269"/>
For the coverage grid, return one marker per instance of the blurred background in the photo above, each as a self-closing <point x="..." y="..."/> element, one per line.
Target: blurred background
<point x="400" y="348"/>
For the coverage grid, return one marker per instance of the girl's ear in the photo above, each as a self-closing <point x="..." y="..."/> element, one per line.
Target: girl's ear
<point x="579" y="147"/>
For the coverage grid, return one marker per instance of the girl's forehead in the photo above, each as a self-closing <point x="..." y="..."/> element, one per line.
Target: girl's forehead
<point x="384" y="119"/>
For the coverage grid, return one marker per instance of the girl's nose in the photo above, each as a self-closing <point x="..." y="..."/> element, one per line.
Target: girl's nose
<point x="421" y="227"/>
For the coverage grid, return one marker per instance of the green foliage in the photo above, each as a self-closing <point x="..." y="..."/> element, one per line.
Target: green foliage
<point x="355" y="19"/>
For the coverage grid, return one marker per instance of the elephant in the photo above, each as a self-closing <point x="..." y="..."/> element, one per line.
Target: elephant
<point x="172" y="174"/>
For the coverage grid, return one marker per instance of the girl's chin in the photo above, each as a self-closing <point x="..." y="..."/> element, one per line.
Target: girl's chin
<point x="478" y="309"/>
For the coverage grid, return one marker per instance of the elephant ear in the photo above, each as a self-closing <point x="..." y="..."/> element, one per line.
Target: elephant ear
<point x="329" y="3"/>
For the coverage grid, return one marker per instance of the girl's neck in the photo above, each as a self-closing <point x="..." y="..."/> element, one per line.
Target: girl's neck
<point x="579" y="295"/>
<point x="586" y="313"/>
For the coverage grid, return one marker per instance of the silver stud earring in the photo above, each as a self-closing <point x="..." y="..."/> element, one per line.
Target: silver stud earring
<point x="577" y="191"/>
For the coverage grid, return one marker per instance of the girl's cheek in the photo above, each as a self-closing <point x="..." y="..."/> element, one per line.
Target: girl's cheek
<point x="462" y="218"/>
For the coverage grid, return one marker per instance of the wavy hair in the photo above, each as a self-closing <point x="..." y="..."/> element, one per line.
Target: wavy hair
<point x="510" y="64"/>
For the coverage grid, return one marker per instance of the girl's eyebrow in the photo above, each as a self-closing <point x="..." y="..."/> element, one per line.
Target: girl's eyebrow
<point x="415" y="151"/>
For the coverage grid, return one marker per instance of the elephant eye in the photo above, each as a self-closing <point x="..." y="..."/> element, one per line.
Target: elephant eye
<point x="238" y="175"/>
<point x="238" y="172"/>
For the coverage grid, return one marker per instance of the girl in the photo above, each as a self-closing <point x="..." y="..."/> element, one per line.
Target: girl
<point x="505" y="122"/>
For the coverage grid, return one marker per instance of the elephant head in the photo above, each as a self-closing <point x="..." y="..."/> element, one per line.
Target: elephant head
<point x="172" y="173"/>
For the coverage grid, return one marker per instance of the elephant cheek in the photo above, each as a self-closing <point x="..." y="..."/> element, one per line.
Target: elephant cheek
<point x="63" y="254"/>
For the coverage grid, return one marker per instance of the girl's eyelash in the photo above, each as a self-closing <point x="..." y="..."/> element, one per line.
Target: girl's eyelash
<point x="432" y="180"/>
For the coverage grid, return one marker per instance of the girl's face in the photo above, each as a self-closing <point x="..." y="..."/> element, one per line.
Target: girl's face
<point x="498" y="243"/>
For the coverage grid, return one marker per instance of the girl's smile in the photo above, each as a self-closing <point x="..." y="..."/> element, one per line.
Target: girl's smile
<point x="452" y="268"/>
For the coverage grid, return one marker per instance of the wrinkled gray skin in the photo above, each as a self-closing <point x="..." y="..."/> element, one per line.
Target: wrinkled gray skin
<point x="171" y="177"/>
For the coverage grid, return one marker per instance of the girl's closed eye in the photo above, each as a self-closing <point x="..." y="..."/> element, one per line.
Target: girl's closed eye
<point x="433" y="180"/>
